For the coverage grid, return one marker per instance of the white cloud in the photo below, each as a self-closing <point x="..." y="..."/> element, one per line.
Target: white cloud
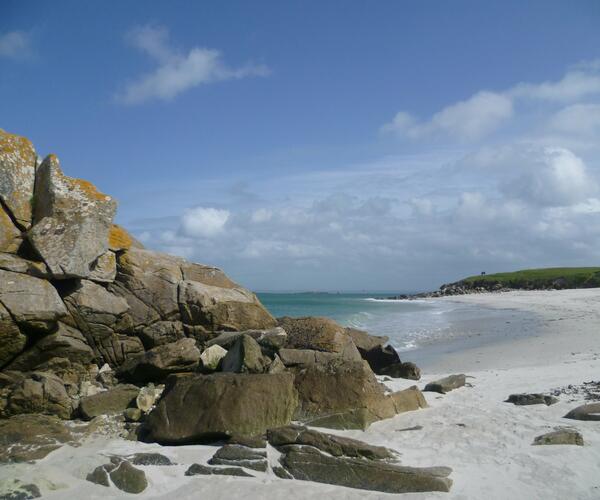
<point x="577" y="119"/>
<point x="465" y="120"/>
<point x="15" y="45"/>
<point x="204" y="222"/>
<point x="178" y="72"/>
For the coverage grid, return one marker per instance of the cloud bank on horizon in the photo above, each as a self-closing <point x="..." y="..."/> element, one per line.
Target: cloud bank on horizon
<point x="517" y="185"/>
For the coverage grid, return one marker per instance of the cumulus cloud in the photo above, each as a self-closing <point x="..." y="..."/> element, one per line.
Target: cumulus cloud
<point x="204" y="222"/>
<point x="15" y="45"/>
<point x="177" y="71"/>
<point x="464" y="120"/>
<point x="577" y="119"/>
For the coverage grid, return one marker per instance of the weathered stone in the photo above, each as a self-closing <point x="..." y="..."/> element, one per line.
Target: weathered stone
<point x="271" y="339"/>
<point x="108" y="402"/>
<point x="32" y="302"/>
<point x="380" y="357"/>
<point x="98" y="476"/>
<point x="161" y="333"/>
<point x="308" y="464"/>
<point x="10" y="236"/>
<point x="156" y="364"/>
<point x="248" y="442"/>
<point x="19" y="491"/>
<point x="307" y="357"/>
<point x="336" y="446"/>
<point x="31" y="437"/>
<point x="71" y="221"/>
<point x="585" y="412"/>
<point x="17" y="176"/>
<point x="446" y="384"/>
<point x="65" y="342"/>
<point x="39" y="392"/>
<point x="240" y="456"/>
<point x="12" y="341"/>
<point x="146" y="398"/>
<point x="365" y="342"/>
<point x="218" y="308"/>
<point x="16" y="264"/>
<point x="225" y="404"/>
<point x="531" y="399"/>
<point x="203" y="470"/>
<point x="346" y="395"/>
<point x="406" y="370"/>
<point x="245" y="356"/>
<point x="133" y="414"/>
<point x="150" y="459"/>
<point x="211" y="358"/>
<point x="319" y="334"/>
<point x="129" y="479"/>
<point x="560" y="436"/>
<point x="104" y="269"/>
<point x="276" y="366"/>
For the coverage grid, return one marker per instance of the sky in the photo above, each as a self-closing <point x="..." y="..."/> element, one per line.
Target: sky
<point x="323" y="145"/>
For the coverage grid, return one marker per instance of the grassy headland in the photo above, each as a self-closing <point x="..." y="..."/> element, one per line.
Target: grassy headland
<point x="552" y="277"/>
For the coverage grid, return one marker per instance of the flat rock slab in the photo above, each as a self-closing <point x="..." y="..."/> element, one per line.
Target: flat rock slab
<point x="446" y="384"/>
<point x="560" y="436"/>
<point x="531" y="399"/>
<point x="309" y="464"/>
<point x="585" y="412"/>
<point x="203" y="470"/>
<point x="113" y="401"/>
<point x="240" y="456"/>
<point x="129" y="479"/>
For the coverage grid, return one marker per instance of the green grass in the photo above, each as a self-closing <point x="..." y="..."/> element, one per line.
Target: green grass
<point x="574" y="277"/>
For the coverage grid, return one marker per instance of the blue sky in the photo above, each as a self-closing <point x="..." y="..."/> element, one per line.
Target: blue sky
<point x="323" y="145"/>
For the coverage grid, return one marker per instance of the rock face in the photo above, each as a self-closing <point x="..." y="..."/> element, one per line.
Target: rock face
<point x="585" y="412"/>
<point x="71" y="221"/>
<point x="12" y="341"/>
<point x="17" y="176"/>
<point x="154" y="365"/>
<point x="225" y="404"/>
<point x="10" y="236"/>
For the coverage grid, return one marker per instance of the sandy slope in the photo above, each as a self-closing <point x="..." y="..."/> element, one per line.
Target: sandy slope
<point x="486" y="441"/>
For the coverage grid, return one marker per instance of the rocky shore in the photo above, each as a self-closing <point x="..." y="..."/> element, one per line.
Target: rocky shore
<point x="99" y="335"/>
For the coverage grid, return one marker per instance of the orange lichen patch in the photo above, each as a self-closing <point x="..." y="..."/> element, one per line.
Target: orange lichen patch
<point x="119" y="239"/>
<point x="15" y="145"/>
<point x="88" y="189"/>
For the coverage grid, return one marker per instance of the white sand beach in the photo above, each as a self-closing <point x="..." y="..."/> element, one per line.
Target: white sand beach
<point x="486" y="441"/>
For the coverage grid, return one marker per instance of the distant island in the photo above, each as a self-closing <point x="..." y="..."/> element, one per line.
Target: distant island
<point x="551" y="278"/>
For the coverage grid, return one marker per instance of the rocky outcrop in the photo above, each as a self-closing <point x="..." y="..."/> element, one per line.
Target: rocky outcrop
<point x="245" y="356"/>
<point x="12" y="341"/>
<point x="225" y="404"/>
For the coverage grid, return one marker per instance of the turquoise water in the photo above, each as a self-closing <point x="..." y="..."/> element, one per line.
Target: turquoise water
<point x="408" y="324"/>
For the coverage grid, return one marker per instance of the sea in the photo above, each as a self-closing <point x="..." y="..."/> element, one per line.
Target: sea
<point x="425" y="327"/>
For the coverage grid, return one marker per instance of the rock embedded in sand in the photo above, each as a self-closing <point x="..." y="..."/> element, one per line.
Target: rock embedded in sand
<point x="150" y="459"/>
<point x="446" y="384"/>
<point x="560" y="436"/>
<point x="99" y="476"/>
<point x="309" y="464"/>
<point x="406" y="370"/>
<point x="240" y="456"/>
<point x="203" y="470"/>
<point x="585" y="412"/>
<point x="129" y="479"/>
<point x="224" y="404"/>
<point x="531" y="399"/>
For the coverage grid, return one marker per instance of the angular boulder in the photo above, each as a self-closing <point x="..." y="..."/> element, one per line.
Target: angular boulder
<point x="245" y="356"/>
<point x="156" y="364"/>
<point x="160" y="333"/>
<point x="199" y="408"/>
<point x="104" y="269"/>
<point x="319" y="334"/>
<point x="33" y="303"/>
<point x="364" y="341"/>
<point x="16" y="264"/>
<point x="110" y="402"/>
<point x="38" y="392"/>
<point x="381" y="357"/>
<point x="17" y="176"/>
<point x="12" y="341"/>
<point x="211" y="358"/>
<point x="71" y="221"/>
<point x="406" y="370"/>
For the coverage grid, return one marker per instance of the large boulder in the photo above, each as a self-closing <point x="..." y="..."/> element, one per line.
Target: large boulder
<point x="198" y="408"/>
<point x="128" y="478"/>
<point x="71" y="221"/>
<point x="65" y="342"/>
<point x="364" y="341"/>
<point x="589" y="411"/>
<point x="156" y="364"/>
<point x="109" y="402"/>
<point x="33" y="303"/>
<point x="319" y="334"/>
<point x="17" y="176"/>
<point x="161" y="332"/>
<point x="343" y="394"/>
<point x="12" y="341"/>
<point x="245" y="356"/>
